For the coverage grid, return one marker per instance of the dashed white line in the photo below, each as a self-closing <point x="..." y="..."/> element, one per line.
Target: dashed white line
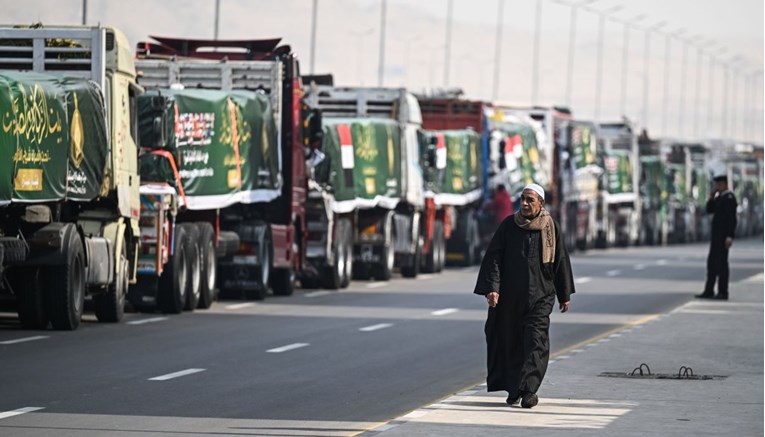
<point x="375" y="327"/>
<point x="239" y="306"/>
<point x="25" y="339"/>
<point x="425" y="276"/>
<point x="176" y="374"/>
<point x="583" y="280"/>
<point x="289" y="347"/>
<point x="613" y="273"/>
<point x="377" y="284"/>
<point x="317" y="293"/>
<point x="386" y="427"/>
<point x="639" y="266"/>
<point x="662" y="262"/>
<point x="444" y="311"/>
<point x="563" y="357"/>
<point x="6" y="414"/>
<point x="144" y="321"/>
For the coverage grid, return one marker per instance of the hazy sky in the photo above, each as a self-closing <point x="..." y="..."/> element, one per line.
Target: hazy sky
<point x="348" y="43"/>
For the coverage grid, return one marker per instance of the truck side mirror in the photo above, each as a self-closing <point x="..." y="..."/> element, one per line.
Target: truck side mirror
<point x="502" y="162"/>
<point x="314" y="129"/>
<point x="431" y="152"/>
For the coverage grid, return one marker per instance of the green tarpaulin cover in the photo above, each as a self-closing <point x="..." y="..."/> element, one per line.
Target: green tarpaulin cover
<point x="226" y="146"/>
<point x="362" y="167"/>
<point x="53" y="138"/>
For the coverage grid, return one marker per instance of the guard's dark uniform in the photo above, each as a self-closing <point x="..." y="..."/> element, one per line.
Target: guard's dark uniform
<point x="723" y="207"/>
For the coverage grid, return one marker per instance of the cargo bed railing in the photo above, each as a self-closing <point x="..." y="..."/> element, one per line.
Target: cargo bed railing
<point x="61" y="51"/>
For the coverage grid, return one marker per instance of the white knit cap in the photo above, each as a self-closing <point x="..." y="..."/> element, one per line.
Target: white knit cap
<point x="537" y="189"/>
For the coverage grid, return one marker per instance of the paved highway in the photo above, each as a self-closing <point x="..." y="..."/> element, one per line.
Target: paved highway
<point x="317" y="363"/>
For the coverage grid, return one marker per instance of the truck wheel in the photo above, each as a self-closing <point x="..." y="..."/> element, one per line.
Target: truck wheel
<point x="194" y="282"/>
<point x="110" y="305"/>
<point x="347" y="239"/>
<point x="31" y="301"/>
<point x="413" y="269"/>
<point x="209" y="263"/>
<point x="67" y="284"/>
<point x="471" y="242"/>
<point x="332" y="275"/>
<point x="283" y="282"/>
<point x="171" y="295"/>
<point x="264" y="272"/>
<point x="13" y="249"/>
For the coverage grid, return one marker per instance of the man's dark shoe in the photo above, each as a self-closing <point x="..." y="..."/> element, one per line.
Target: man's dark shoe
<point x="513" y="400"/>
<point x="705" y="295"/>
<point x="529" y="400"/>
<point x="721" y="297"/>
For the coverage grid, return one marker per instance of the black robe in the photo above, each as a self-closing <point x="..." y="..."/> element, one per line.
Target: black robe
<point x="517" y="329"/>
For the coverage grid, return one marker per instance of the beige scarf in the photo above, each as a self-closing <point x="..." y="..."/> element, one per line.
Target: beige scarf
<point x="543" y="222"/>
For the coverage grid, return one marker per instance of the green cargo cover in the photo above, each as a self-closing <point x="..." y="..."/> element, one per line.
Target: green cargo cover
<point x="53" y="140"/>
<point x="225" y="143"/>
<point x="362" y="167"/>
<point x="617" y="171"/>
<point x="457" y="178"/>
<point x="524" y="165"/>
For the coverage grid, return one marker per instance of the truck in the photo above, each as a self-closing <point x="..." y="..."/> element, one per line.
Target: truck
<point x="253" y="209"/>
<point x="619" y="207"/>
<point x="69" y="187"/>
<point x="511" y="153"/>
<point x="576" y="182"/>
<point x="367" y="207"/>
<point x="654" y="191"/>
<point x="451" y="161"/>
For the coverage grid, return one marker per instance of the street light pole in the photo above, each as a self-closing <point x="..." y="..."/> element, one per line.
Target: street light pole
<point x="647" y="62"/>
<point x="625" y="59"/>
<point x="535" y="74"/>
<point x="313" y="34"/>
<point x="498" y="48"/>
<point x="381" y="67"/>
<point x="84" y="12"/>
<point x="666" y="79"/>
<point x="683" y="70"/>
<point x="217" y="20"/>
<point x="572" y="46"/>
<point x="699" y="52"/>
<point x="447" y="47"/>
<point x="599" y="73"/>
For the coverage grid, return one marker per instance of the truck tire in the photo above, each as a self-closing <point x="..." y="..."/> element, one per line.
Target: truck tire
<point x="413" y="269"/>
<point x="347" y="239"/>
<point x="209" y="263"/>
<point x="66" y="285"/>
<point x="283" y="282"/>
<point x="14" y="250"/>
<point x="383" y="270"/>
<point x="264" y="273"/>
<point x="31" y="301"/>
<point x="471" y="242"/>
<point x="109" y="305"/>
<point x="332" y="275"/>
<point x="228" y="243"/>
<point x="194" y="282"/>
<point x="435" y="259"/>
<point x="171" y="295"/>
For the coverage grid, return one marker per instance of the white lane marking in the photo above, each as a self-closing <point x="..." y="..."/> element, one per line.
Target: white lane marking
<point x="576" y="351"/>
<point x="239" y="306"/>
<point x="613" y="272"/>
<point x="25" y="339"/>
<point x="425" y="276"/>
<point x="693" y="311"/>
<point x="617" y="335"/>
<point x="444" y="311"/>
<point x="563" y="357"/>
<point x="317" y="293"/>
<point x="6" y="414"/>
<point x="144" y="321"/>
<point x="377" y="284"/>
<point x="639" y="266"/>
<point x="386" y="427"/>
<point x="662" y="262"/>
<point x="583" y="280"/>
<point x="176" y="374"/>
<point x="289" y="347"/>
<point x="375" y="327"/>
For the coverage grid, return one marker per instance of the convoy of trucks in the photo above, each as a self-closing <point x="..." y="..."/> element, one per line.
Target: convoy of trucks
<point x="197" y="167"/>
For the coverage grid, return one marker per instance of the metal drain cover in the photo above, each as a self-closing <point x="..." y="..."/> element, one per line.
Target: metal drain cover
<point x="685" y="373"/>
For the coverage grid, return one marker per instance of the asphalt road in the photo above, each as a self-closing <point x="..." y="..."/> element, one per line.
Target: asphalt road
<point x="316" y="363"/>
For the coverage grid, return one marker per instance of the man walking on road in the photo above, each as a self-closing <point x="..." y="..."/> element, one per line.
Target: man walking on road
<point x="527" y="265"/>
<point x="721" y="203"/>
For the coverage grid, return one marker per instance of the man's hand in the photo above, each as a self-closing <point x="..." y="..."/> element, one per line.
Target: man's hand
<point x="728" y="242"/>
<point x="492" y="298"/>
<point x="564" y="306"/>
